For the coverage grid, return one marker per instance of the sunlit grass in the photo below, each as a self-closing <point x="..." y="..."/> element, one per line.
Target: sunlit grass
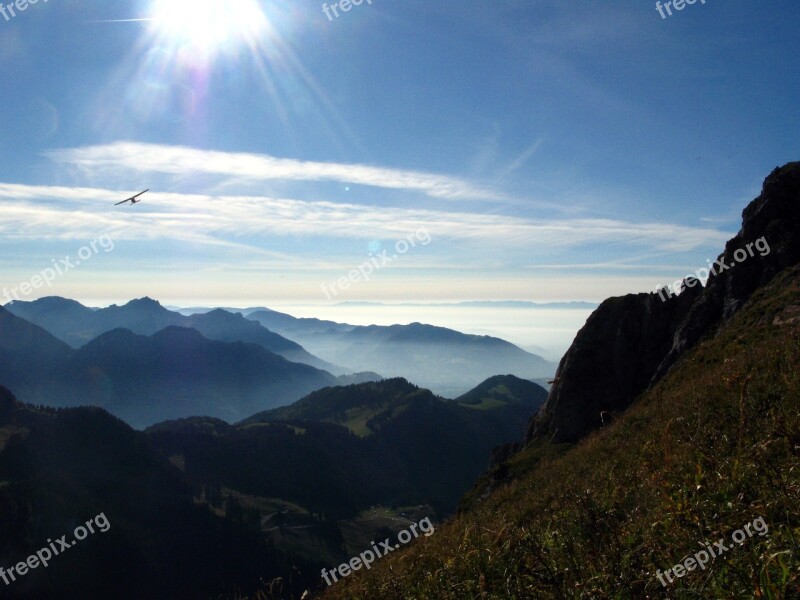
<point x="714" y="446"/>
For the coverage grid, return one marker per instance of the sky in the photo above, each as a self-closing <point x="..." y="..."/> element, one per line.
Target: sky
<point x="414" y="151"/>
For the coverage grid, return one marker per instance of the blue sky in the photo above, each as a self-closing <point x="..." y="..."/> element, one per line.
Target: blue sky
<point x="550" y="150"/>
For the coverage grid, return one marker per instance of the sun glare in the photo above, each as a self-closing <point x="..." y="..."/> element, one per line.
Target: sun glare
<point x="208" y="26"/>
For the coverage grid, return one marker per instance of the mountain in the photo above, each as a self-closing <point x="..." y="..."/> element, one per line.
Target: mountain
<point x="29" y="355"/>
<point x="354" y="378"/>
<point x="694" y="455"/>
<point x="175" y="373"/>
<point x="630" y="343"/>
<point x="710" y="451"/>
<point x="505" y="390"/>
<point x="446" y="361"/>
<point x="224" y="326"/>
<point x="60" y="468"/>
<point x="198" y="310"/>
<point x="343" y="449"/>
<point x="77" y="325"/>
<point x="612" y="361"/>
<point x="199" y="508"/>
<point x="67" y="320"/>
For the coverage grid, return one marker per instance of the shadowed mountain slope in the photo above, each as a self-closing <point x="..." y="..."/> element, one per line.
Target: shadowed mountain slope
<point x="343" y="449"/>
<point x="708" y="450"/>
<point x="172" y="374"/>
<point x="60" y="468"/>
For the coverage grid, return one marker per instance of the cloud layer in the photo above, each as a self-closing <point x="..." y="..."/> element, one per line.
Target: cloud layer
<point x="180" y="160"/>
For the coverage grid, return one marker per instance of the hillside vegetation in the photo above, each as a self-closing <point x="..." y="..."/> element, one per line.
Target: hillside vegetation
<point x="343" y="450"/>
<point x="712" y="447"/>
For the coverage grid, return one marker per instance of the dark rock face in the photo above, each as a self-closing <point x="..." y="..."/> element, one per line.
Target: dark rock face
<point x="773" y="216"/>
<point x="630" y="343"/>
<point x="610" y="363"/>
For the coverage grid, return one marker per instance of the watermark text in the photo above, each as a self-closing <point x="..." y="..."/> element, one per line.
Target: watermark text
<point x="44" y="555"/>
<point x="701" y="558"/>
<point x="376" y="262"/>
<point x="60" y="267"/>
<point x="19" y="5"/>
<point x="366" y="558"/>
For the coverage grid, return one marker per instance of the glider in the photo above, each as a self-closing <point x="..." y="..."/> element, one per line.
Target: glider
<point x="133" y="199"/>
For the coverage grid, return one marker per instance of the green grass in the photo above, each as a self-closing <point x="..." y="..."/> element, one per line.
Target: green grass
<point x="296" y="429"/>
<point x="357" y="420"/>
<point x="485" y="404"/>
<point x="496" y="397"/>
<point x="713" y="446"/>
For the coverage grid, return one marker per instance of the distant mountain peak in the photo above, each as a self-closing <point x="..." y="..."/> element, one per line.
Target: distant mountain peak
<point x="48" y="301"/>
<point x="221" y="313"/>
<point x="117" y="335"/>
<point x="145" y="302"/>
<point x="184" y="334"/>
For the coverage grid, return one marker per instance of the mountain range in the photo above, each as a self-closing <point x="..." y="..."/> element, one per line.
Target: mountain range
<point x="671" y="423"/>
<point x="145" y="379"/>
<point x="77" y="325"/>
<point x="60" y="467"/>
<point x="352" y="441"/>
<point x="280" y="494"/>
<point x="445" y="361"/>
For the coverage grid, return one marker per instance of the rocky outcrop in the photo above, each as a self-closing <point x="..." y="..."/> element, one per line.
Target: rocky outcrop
<point x="610" y="363"/>
<point x="772" y="222"/>
<point x="629" y="343"/>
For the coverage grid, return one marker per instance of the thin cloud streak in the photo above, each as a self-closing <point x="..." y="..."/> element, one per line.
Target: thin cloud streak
<point x="180" y="160"/>
<point x="33" y="212"/>
<point x="523" y="158"/>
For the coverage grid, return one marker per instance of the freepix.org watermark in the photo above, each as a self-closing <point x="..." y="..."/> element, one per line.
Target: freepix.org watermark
<point x="60" y="267"/>
<point x="343" y="5"/>
<point x="19" y="5"/>
<point x="366" y="558"/>
<point x="364" y="272"/>
<point x="43" y="556"/>
<point x="715" y="268"/>
<point x="676" y="4"/>
<point x="701" y="558"/>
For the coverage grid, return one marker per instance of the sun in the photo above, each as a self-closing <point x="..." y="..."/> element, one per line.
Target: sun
<point x="208" y="26"/>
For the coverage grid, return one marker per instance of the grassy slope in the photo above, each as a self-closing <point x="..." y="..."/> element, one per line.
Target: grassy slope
<point x="712" y="447"/>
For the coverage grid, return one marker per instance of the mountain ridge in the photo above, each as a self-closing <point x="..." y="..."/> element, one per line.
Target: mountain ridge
<point x="77" y="325"/>
<point x="360" y="432"/>
<point x="443" y="360"/>
<point x="175" y="372"/>
<point x="585" y="389"/>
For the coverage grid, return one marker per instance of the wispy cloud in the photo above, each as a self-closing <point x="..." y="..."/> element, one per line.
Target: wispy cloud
<point x="180" y="160"/>
<point x="73" y="213"/>
<point x="518" y="162"/>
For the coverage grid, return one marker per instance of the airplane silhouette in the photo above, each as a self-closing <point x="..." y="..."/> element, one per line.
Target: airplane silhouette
<point x="133" y="199"/>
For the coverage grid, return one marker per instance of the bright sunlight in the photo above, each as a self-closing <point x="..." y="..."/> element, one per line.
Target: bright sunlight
<point x="208" y="26"/>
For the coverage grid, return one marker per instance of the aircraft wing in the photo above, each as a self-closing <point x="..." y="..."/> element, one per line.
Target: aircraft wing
<point x="132" y="199"/>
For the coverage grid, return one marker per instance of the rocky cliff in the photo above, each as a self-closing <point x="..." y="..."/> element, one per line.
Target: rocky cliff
<point x="629" y="343"/>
